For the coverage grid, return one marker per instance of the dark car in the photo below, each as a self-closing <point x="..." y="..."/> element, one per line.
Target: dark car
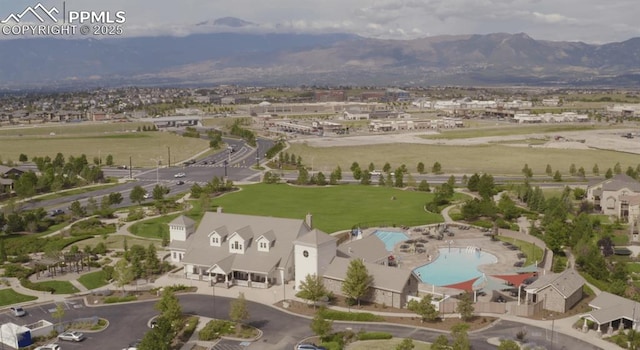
<point x="56" y="212"/>
<point x="180" y="182"/>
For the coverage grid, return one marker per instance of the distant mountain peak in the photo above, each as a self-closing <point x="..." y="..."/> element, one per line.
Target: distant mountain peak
<point x="232" y="22"/>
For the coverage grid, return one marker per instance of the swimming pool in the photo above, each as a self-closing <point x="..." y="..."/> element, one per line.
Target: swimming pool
<point x="390" y="238"/>
<point x="454" y="266"/>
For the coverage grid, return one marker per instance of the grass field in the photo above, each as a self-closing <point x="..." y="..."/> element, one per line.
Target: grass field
<point x="93" y="280"/>
<point x="533" y="252"/>
<point x="61" y="287"/>
<point x="385" y="345"/>
<point x="492" y="159"/>
<point x="333" y="208"/>
<point x="9" y="296"/>
<point x="509" y="130"/>
<point x="140" y="146"/>
<point x="154" y="228"/>
<point x="117" y="242"/>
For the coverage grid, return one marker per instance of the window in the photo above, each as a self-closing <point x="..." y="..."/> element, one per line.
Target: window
<point x="214" y="240"/>
<point x="263" y="245"/>
<point x="174" y="255"/>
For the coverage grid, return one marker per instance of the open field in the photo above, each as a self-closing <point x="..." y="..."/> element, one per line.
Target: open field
<point x="9" y="296"/>
<point x="511" y="129"/>
<point x="333" y="208"/>
<point x="140" y="146"/>
<point x="492" y="159"/>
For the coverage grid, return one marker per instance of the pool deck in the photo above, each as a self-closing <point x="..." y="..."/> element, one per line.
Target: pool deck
<point x="461" y="239"/>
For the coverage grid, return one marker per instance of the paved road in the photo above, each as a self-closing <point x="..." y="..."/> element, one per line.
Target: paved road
<point x="128" y="322"/>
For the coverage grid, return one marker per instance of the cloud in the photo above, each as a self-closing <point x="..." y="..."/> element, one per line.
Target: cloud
<point x="586" y="20"/>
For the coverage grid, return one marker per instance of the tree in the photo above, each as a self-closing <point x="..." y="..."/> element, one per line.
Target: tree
<point x="122" y="273"/>
<point x="424" y="186"/>
<point x="572" y="169"/>
<point x="321" y="180"/>
<point x="137" y="194"/>
<point x="92" y="206"/>
<point x="151" y="261"/>
<point x="115" y="198"/>
<point x="371" y="167"/>
<point x="472" y="183"/>
<point x="581" y="172"/>
<point x="548" y="170"/>
<point x="460" y="337"/>
<point x="159" y="337"/>
<point x="312" y="289"/>
<point x="59" y="313"/>
<point x="109" y="160"/>
<point x="527" y="172"/>
<point x="596" y="170"/>
<point x="387" y="167"/>
<point x="358" y="281"/>
<point x="77" y="209"/>
<point x="399" y="178"/>
<point x="238" y="311"/>
<point x="25" y="185"/>
<point x="557" y="177"/>
<point x="303" y="176"/>
<point x="158" y="192"/>
<point x="405" y="344"/>
<point x="508" y="344"/>
<point x="336" y="175"/>
<point x="436" y="168"/>
<point x="465" y="307"/>
<point x="617" y="169"/>
<point x="441" y="343"/>
<point x="354" y="166"/>
<point x="608" y="174"/>
<point x="23" y="157"/>
<point x="424" y="308"/>
<point x="321" y="326"/>
<point x="420" y="168"/>
<point x="170" y="309"/>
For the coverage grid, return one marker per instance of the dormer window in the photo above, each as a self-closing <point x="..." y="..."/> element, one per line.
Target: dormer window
<point x="263" y="245"/>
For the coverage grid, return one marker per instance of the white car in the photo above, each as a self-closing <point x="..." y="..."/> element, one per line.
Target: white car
<point x="18" y="311"/>
<point x="178" y="175"/>
<point x="49" y="347"/>
<point x="147" y="195"/>
<point x="71" y="336"/>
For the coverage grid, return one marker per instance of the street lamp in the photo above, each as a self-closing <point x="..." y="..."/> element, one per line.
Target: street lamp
<point x="552" y="324"/>
<point x="450" y="242"/>
<point x="158" y="161"/>
<point x="257" y="156"/>
<point x="225" y="167"/>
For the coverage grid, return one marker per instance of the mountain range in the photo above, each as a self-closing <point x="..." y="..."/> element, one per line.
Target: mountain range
<point x="316" y="59"/>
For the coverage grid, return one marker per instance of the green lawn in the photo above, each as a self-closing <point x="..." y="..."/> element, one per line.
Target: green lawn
<point x="93" y="280"/>
<point x="333" y="208"/>
<point x="61" y="287"/>
<point x="9" y="296"/>
<point x="533" y="252"/>
<point x="153" y="228"/>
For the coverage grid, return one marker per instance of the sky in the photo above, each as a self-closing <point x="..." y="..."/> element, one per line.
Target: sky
<point x="591" y="21"/>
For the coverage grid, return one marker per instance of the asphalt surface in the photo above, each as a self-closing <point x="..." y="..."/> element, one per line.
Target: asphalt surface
<point x="128" y="322"/>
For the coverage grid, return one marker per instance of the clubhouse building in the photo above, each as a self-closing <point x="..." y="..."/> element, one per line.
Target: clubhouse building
<point x="260" y="252"/>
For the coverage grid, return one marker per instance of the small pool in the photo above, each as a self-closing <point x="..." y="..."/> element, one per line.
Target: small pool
<point x="454" y="266"/>
<point x="390" y="238"/>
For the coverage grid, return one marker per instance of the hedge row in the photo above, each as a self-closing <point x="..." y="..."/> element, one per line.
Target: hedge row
<point x="350" y="316"/>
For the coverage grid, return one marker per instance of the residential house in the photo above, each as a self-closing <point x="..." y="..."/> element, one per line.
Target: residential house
<point x="557" y="292"/>
<point x="614" y="196"/>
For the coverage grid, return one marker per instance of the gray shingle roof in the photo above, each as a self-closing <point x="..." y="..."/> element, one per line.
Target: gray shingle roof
<point x="369" y="248"/>
<point x="182" y="221"/>
<point x="566" y="283"/>
<point x="384" y="277"/>
<point x="621" y="181"/>
<point x="285" y="231"/>
<point x="610" y="307"/>
<point x="315" y="238"/>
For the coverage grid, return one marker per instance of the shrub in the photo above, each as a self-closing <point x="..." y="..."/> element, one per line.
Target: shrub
<point x="332" y="345"/>
<point x="374" y="336"/>
<point x="18" y="271"/>
<point x="350" y="316"/>
<point x="214" y="329"/>
<point x="113" y="300"/>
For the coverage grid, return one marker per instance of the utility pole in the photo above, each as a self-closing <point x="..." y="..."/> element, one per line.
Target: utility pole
<point x="130" y="171"/>
<point x="169" y="156"/>
<point x="258" y="157"/>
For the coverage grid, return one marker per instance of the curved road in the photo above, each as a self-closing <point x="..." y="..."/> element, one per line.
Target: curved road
<point x="282" y="330"/>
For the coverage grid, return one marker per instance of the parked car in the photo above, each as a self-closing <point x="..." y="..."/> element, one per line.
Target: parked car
<point x="309" y="346"/>
<point x="133" y="346"/>
<point x="17" y="311"/>
<point x="147" y="195"/>
<point x="180" y="182"/>
<point x="179" y="175"/>
<point x="48" y="347"/>
<point x="71" y="336"/>
<point x="56" y="212"/>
